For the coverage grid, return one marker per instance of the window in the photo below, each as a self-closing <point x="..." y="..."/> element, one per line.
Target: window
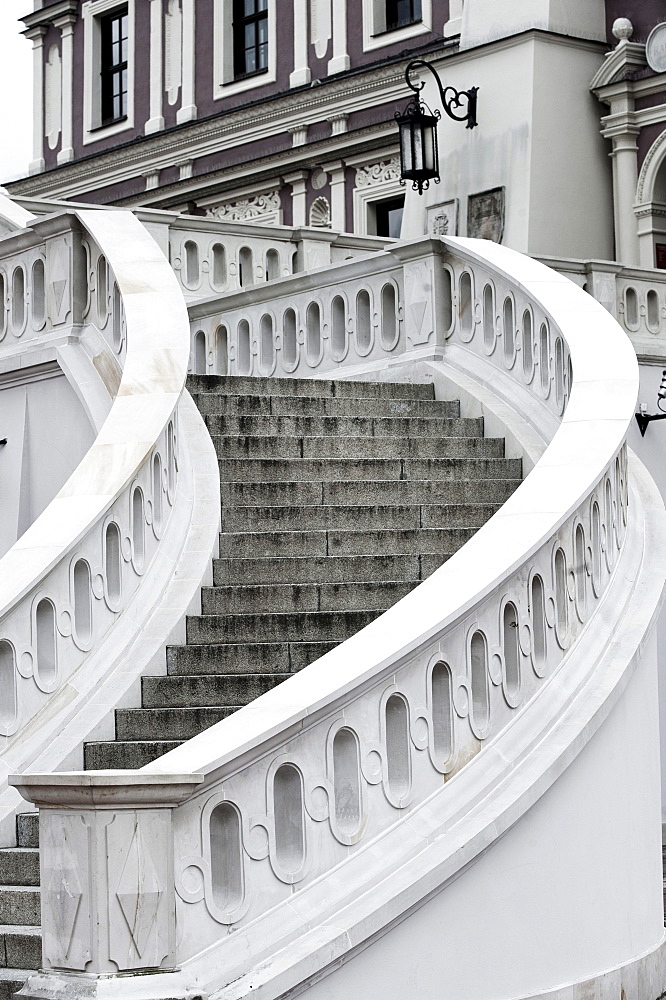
<point x="113" y="65"/>
<point x="388" y="217"/>
<point x="400" y="13"/>
<point x="250" y="30"/>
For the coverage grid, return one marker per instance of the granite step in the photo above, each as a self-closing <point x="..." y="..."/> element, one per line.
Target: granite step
<point x="19" y="904"/>
<point x="19" y="866"/>
<point x="116" y="755"/>
<point x="27" y="829"/>
<point x="383" y="493"/>
<point x="20" y="949"/>
<point x="311" y="626"/>
<point x="302" y="597"/>
<point x="244" y="657"/>
<point x="214" y="690"/>
<point x="314" y="517"/>
<point x="356" y="447"/>
<point x="314" y="406"/>
<point x="11" y="980"/>
<point x="365" y="471"/>
<point x="264" y="544"/>
<point x="166" y="723"/>
<point x="250" y="385"/>
<point x="295" y="426"/>
<point x="316" y="570"/>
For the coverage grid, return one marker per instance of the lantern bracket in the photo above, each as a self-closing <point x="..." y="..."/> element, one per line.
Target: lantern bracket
<point x="452" y="99"/>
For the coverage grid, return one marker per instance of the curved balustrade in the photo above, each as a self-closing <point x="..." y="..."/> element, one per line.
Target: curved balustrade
<point x="433" y="711"/>
<point x="73" y="574"/>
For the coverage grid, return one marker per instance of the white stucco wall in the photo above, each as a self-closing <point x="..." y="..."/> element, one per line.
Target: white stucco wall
<point x="534" y="110"/>
<point x="580" y="876"/>
<point x="48" y="433"/>
<point x="486" y="20"/>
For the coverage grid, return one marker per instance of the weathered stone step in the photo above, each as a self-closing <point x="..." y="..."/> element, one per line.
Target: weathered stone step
<point x="130" y="754"/>
<point x="316" y="626"/>
<point x="386" y="492"/>
<point x="340" y="388"/>
<point x="19" y="866"/>
<point x="20" y="949"/>
<point x="257" y="544"/>
<point x="210" y="403"/>
<point x="212" y="689"/>
<point x="166" y="723"/>
<point x="302" y="597"/>
<point x="27" y="829"/>
<point x="315" y="517"/>
<point x="316" y="569"/>
<point x="11" y="980"/>
<point x="244" y="657"/>
<point x="296" y="426"/>
<point x="19" y="904"/>
<point x="365" y="472"/>
<point x="356" y="447"/>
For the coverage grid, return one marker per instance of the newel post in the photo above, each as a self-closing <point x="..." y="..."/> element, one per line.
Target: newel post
<point x="427" y="295"/>
<point x="108" y="908"/>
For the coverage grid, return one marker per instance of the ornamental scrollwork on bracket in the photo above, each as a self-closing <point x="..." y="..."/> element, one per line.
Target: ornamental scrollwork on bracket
<point x="378" y="173"/>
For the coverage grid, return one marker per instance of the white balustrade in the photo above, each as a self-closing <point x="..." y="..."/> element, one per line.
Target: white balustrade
<point x="295" y="799"/>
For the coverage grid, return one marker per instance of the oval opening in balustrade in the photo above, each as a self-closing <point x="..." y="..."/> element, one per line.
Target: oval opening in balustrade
<point x="112" y="562"/>
<point x="338" y="328"/>
<point x="559" y="373"/>
<point x="272" y="265"/>
<point x="478" y="656"/>
<point x="447" y="300"/>
<point x="579" y="570"/>
<point x="191" y="263"/>
<point x="3" y="318"/>
<point x="544" y="359"/>
<point x="442" y="712"/>
<point x="508" y="331"/>
<point x="346" y="781"/>
<point x="9" y="699"/>
<point x="465" y="304"/>
<point x="653" y="311"/>
<point x="138" y="528"/>
<point x="117" y="318"/>
<point x="226" y="857"/>
<point x="561" y="595"/>
<point x="389" y="334"/>
<point x="539" y="647"/>
<point x="219" y="266"/>
<point x="246" y="267"/>
<point x="398" y="757"/>
<point x="244" y="355"/>
<point x="295" y="262"/>
<point x="596" y="546"/>
<point x="171" y="457"/>
<point x="18" y="299"/>
<point x="82" y="601"/>
<point x="511" y="649"/>
<point x="266" y="343"/>
<point x="289" y="818"/>
<point x="363" y="327"/>
<point x="313" y="332"/>
<point x="489" y="317"/>
<point x="631" y="306"/>
<point x="45" y="625"/>
<point x="610" y="519"/>
<point x="290" y="346"/>
<point x="102" y="290"/>
<point x="528" y="353"/>
<point x="221" y="350"/>
<point x="200" y="353"/>
<point x="38" y="293"/>
<point x="157" y="492"/>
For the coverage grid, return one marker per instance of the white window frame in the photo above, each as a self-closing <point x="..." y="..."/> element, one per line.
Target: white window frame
<point x="375" y="35"/>
<point x="224" y="84"/>
<point x="364" y="198"/>
<point x="91" y="13"/>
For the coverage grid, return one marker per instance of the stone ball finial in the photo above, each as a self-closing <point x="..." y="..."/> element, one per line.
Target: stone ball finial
<point x="622" y="28"/>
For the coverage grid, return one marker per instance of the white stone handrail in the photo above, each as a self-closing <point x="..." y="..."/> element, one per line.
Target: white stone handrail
<point x="78" y="569"/>
<point x="433" y="711"/>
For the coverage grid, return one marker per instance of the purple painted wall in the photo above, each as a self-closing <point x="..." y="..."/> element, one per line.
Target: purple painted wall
<point x="643" y="14"/>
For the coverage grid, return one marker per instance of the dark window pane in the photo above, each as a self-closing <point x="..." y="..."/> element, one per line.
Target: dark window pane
<point x="113" y="64"/>
<point x="388" y="216"/>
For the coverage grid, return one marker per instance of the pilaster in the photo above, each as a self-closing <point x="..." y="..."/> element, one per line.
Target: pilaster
<point x="65" y="24"/>
<point x="301" y="73"/>
<point x="297" y="181"/>
<point x="340" y="60"/>
<point x="156" y="121"/>
<point x="188" y="110"/>
<point x="336" y="172"/>
<point x="36" y="36"/>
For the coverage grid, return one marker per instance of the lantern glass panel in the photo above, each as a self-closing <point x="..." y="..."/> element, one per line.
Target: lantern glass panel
<point x="406" y="146"/>
<point x="430" y="148"/>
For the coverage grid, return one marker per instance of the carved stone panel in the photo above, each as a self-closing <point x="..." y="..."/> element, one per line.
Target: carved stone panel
<point x="65" y="848"/>
<point x="419" y="317"/>
<point x="443" y="218"/>
<point x="140" y="903"/>
<point x="173" y="50"/>
<point x="378" y="173"/>
<point x="264" y="208"/>
<point x="58" y="271"/>
<point x="53" y="97"/>
<point x="320" y="26"/>
<point x="485" y="215"/>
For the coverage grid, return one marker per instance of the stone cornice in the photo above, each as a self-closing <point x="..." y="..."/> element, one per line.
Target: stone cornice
<point x="625" y="58"/>
<point x="47" y="15"/>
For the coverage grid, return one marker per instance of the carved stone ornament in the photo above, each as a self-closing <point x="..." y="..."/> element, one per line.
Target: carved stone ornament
<point x="320" y="212"/>
<point x="53" y="97"/>
<point x="443" y="218"/>
<point x="320" y="26"/>
<point x="378" y="173"/>
<point x="263" y="207"/>
<point x="173" y="50"/>
<point x="485" y="215"/>
<point x="655" y="48"/>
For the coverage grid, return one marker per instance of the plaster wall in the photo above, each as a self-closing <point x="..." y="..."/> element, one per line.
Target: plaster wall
<point x="580" y="875"/>
<point x="485" y="20"/>
<point x="48" y="433"/>
<point x="531" y="115"/>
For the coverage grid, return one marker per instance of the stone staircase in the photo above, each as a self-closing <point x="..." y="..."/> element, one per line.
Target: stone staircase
<point x="338" y="498"/>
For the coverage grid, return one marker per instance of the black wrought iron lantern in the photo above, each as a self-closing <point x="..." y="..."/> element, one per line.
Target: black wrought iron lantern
<point x="419" y="158"/>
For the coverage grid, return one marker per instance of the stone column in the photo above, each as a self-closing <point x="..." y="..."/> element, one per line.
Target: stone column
<point x="156" y="121"/>
<point x="340" y="60"/>
<point x="301" y="73"/>
<point x="625" y="179"/>
<point x="297" y="181"/>
<point x="336" y="172"/>
<point x="36" y="36"/>
<point x="188" y="109"/>
<point x="108" y="904"/>
<point x="66" y="26"/>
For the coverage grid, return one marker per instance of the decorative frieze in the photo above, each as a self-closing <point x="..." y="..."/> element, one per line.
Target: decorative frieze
<point x="378" y="173"/>
<point x="262" y="208"/>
